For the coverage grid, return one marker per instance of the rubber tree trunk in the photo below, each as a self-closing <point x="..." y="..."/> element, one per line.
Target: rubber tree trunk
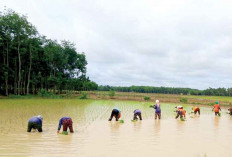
<point x="29" y="73"/>
<point x="19" y="72"/>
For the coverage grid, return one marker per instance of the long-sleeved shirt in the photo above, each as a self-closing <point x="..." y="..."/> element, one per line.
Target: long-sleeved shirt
<point x="36" y="120"/>
<point x="157" y="108"/>
<point x="61" y="121"/>
<point x="118" y="110"/>
<point x="137" y="111"/>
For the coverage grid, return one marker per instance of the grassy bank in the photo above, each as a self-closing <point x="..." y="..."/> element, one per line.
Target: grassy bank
<point x="145" y="97"/>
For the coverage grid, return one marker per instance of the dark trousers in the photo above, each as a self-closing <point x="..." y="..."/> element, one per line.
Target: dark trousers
<point x="157" y="114"/>
<point x="137" y="115"/>
<point x="67" y="123"/>
<point x="34" y="126"/>
<point x="216" y="113"/>
<point x="179" y="113"/>
<point x="114" y="113"/>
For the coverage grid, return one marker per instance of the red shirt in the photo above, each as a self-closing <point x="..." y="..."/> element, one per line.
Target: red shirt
<point x="216" y="107"/>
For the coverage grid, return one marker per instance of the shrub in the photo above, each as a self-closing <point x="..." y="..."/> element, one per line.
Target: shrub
<point x="111" y="93"/>
<point x="211" y="104"/>
<point x="83" y="95"/>
<point x="146" y="98"/>
<point x="46" y="94"/>
<point x="184" y="100"/>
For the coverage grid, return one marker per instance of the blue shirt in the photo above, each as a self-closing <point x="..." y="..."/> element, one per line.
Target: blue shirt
<point x="157" y="109"/>
<point x="36" y="120"/>
<point x="61" y="121"/>
<point x="137" y="111"/>
<point x="118" y="110"/>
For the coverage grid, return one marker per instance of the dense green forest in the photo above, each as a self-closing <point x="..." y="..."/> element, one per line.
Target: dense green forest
<point x="30" y="62"/>
<point x="169" y="90"/>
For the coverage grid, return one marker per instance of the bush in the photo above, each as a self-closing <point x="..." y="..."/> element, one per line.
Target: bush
<point x="184" y="100"/>
<point x="12" y="96"/>
<point x="83" y="95"/>
<point x="146" y="98"/>
<point x="211" y="104"/>
<point x="111" y="93"/>
<point x="46" y="94"/>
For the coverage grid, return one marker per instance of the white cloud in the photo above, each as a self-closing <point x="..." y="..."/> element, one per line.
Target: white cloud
<point x="181" y="43"/>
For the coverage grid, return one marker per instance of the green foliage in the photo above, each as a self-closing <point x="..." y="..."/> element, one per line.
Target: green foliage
<point x="64" y="133"/>
<point x="146" y="98"/>
<point x="211" y="104"/>
<point x="184" y="100"/>
<point x="111" y="93"/>
<point x="83" y="95"/>
<point x="121" y="121"/>
<point x="103" y="96"/>
<point x="170" y="90"/>
<point x="46" y="94"/>
<point x="182" y="119"/>
<point x="30" y="63"/>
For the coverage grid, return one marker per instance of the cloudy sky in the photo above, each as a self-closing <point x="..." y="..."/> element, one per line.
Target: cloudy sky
<point x="174" y="43"/>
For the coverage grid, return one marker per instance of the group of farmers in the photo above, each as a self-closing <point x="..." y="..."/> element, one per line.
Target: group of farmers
<point x="36" y="122"/>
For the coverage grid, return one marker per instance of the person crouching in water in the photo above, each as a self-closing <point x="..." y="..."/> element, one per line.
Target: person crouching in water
<point x="115" y="113"/>
<point x="35" y="123"/>
<point x="196" y="109"/>
<point x="157" y="109"/>
<point x="67" y="123"/>
<point x="180" y="113"/>
<point x="216" y="108"/>
<point x="137" y="113"/>
<point x="230" y="111"/>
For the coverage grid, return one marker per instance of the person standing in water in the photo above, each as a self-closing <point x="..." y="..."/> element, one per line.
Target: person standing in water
<point x="216" y="108"/>
<point x="35" y="123"/>
<point x="157" y="109"/>
<point x="137" y="113"/>
<point x="67" y="123"/>
<point x="196" y="109"/>
<point x="115" y="113"/>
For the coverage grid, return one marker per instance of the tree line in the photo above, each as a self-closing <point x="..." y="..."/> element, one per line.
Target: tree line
<point x="170" y="90"/>
<point x="30" y="61"/>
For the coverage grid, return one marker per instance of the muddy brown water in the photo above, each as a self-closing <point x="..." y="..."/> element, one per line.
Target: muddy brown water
<point x="204" y="135"/>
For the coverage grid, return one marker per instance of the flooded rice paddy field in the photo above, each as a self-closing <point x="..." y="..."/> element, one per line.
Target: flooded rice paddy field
<point x="94" y="136"/>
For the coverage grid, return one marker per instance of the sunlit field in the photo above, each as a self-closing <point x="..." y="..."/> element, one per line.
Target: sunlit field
<point x="94" y="135"/>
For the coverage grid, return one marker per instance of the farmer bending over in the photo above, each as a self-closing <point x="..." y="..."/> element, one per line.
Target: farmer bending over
<point x="180" y="112"/>
<point x="230" y="109"/>
<point x="137" y="113"/>
<point x="67" y="123"/>
<point x="216" y="108"/>
<point x="196" y="109"/>
<point x="35" y="123"/>
<point x="115" y="113"/>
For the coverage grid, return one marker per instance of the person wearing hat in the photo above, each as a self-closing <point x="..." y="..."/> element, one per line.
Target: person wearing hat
<point x="115" y="113"/>
<point x="157" y="109"/>
<point x="179" y="107"/>
<point x="216" y="108"/>
<point x="35" y="123"/>
<point x="137" y="113"/>
<point x="67" y="123"/>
